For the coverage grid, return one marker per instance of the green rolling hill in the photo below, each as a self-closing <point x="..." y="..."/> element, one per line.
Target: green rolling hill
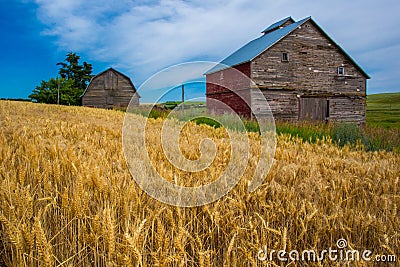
<point x="383" y="110"/>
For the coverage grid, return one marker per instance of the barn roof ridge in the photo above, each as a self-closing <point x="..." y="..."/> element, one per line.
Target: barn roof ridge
<point x="112" y="69"/>
<point x="278" y="24"/>
<point x="272" y="35"/>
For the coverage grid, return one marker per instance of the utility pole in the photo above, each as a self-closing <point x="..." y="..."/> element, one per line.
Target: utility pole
<point x="183" y="97"/>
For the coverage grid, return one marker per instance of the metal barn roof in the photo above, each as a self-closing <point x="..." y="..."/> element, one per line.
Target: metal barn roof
<point x="278" y="24"/>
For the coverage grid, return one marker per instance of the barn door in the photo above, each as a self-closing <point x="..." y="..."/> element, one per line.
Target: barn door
<point x="111" y="81"/>
<point x="111" y="84"/>
<point x="314" y="109"/>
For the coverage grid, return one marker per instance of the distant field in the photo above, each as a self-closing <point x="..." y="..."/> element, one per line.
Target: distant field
<point x="383" y="110"/>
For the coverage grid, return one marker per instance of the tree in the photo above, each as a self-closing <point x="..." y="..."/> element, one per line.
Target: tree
<point x="47" y="92"/>
<point x="44" y="93"/>
<point x="80" y="74"/>
<point x="71" y="85"/>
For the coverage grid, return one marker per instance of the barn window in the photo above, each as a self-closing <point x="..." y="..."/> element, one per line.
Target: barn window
<point x="340" y="71"/>
<point x="285" y="56"/>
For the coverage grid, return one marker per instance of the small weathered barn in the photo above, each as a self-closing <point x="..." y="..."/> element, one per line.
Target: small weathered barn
<point x="301" y="71"/>
<point x="110" y="89"/>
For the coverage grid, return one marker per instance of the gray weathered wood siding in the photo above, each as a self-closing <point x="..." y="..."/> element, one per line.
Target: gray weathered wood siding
<point x="312" y="71"/>
<point x="283" y="104"/>
<point x="110" y="89"/>
<point x="347" y="109"/>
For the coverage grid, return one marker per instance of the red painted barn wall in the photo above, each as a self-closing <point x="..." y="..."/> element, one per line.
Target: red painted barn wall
<point x="229" y="87"/>
<point x="233" y="99"/>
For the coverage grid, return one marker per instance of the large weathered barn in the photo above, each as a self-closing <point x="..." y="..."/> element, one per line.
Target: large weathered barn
<point x="110" y="89"/>
<point x="301" y="71"/>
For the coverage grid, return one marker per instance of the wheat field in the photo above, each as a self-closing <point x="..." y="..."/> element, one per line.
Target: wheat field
<point x="67" y="198"/>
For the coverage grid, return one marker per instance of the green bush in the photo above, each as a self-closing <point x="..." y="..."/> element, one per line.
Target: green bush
<point x="347" y="134"/>
<point x="207" y="121"/>
<point x="306" y="131"/>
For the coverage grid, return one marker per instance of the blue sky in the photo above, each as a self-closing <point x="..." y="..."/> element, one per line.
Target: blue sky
<point x="140" y="38"/>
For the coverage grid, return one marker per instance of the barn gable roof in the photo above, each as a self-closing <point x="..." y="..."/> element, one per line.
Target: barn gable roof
<point x="272" y="35"/>
<point x="114" y="70"/>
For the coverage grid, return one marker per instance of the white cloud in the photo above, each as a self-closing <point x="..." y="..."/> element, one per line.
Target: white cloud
<point x="142" y="37"/>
